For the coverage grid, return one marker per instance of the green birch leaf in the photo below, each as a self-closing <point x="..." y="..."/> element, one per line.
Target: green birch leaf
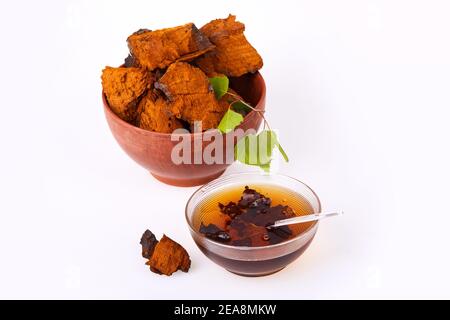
<point x="257" y="150"/>
<point x="230" y="121"/>
<point x="241" y="150"/>
<point x="267" y="140"/>
<point x="240" y="107"/>
<point x="220" y="85"/>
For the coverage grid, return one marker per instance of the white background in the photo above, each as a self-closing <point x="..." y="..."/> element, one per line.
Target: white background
<point x="358" y="89"/>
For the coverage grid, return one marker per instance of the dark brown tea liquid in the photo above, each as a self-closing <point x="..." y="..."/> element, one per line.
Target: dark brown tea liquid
<point x="208" y="212"/>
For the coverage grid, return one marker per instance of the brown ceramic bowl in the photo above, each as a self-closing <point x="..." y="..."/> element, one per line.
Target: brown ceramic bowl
<point x="152" y="150"/>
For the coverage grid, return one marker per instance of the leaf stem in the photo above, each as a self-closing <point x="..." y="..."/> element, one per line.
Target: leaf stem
<point x="261" y="113"/>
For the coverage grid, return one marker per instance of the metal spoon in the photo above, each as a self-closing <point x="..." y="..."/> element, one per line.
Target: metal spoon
<point x="302" y="219"/>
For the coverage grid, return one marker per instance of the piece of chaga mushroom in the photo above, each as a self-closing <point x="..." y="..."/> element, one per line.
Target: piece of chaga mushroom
<point x="168" y="257"/>
<point x="251" y="199"/>
<point x="183" y="79"/>
<point x="191" y="95"/>
<point x="148" y="242"/>
<point x="212" y="231"/>
<point x="248" y="220"/>
<point x="130" y="62"/>
<point x="160" y="48"/>
<point x="208" y="63"/>
<point x="233" y="55"/>
<point x="154" y="115"/>
<point x="247" y="234"/>
<point x="123" y="87"/>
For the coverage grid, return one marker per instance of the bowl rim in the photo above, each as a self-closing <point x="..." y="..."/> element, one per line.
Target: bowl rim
<point x="116" y="118"/>
<point x="247" y="248"/>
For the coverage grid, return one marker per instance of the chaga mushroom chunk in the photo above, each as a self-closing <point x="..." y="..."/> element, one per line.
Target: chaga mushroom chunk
<point x="252" y="199"/>
<point x="130" y="62"/>
<point x="123" y="87"/>
<point x="148" y="242"/>
<point x="191" y="95"/>
<point x="231" y="209"/>
<point x="154" y="114"/>
<point x="246" y="233"/>
<point x="200" y="108"/>
<point x="233" y="55"/>
<point x="248" y="221"/>
<point x="214" y="232"/>
<point x="183" y="79"/>
<point x="168" y="257"/>
<point x="160" y="48"/>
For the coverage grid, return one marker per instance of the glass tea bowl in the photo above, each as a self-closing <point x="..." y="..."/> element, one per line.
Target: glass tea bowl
<point x="253" y="261"/>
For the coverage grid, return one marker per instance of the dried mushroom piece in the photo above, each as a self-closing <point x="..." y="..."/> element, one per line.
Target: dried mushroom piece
<point x="231" y="209"/>
<point x="212" y="231"/>
<point x="123" y="87"/>
<point x="251" y="198"/>
<point x="168" y="257"/>
<point x="183" y="79"/>
<point x="207" y="63"/>
<point x="154" y="115"/>
<point x="130" y="62"/>
<point x="160" y="48"/>
<point x="148" y="242"/>
<point x="233" y="55"/>
<point x="191" y="96"/>
<point x="157" y="65"/>
<point x="248" y="234"/>
<point x="247" y="220"/>
<point x="165" y="256"/>
<point x="202" y="108"/>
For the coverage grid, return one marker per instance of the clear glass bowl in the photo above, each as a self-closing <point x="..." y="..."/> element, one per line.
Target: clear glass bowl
<point x="253" y="261"/>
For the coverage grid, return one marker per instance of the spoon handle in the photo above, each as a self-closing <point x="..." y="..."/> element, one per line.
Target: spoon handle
<point x="307" y="218"/>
